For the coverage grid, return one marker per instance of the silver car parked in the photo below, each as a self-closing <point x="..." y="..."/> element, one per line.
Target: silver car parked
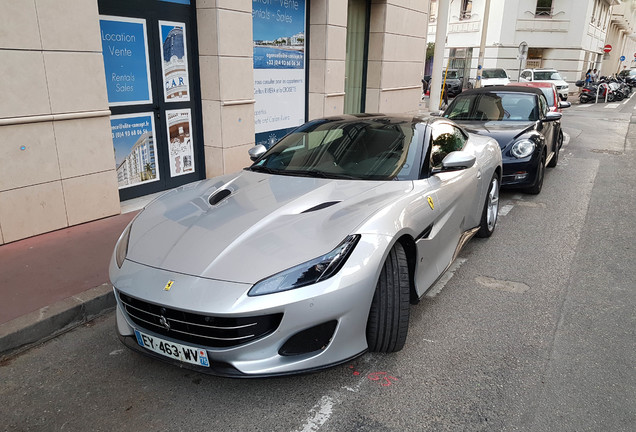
<point x="312" y="255"/>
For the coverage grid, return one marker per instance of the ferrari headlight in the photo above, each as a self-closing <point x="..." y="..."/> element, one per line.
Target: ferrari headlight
<point x="308" y="272"/>
<point x="522" y="148"/>
<point x="122" y="246"/>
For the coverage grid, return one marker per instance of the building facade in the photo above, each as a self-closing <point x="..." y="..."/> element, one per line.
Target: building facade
<point x="106" y="100"/>
<point x="621" y="37"/>
<point x="567" y="35"/>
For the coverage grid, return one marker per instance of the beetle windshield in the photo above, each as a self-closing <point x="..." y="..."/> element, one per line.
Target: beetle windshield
<point x="360" y="149"/>
<point x="499" y="106"/>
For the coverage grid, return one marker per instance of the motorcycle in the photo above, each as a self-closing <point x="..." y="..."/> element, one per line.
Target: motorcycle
<point x="590" y="91"/>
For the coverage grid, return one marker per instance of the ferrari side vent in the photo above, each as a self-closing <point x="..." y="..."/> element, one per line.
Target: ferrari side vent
<point x="219" y="196"/>
<point x="320" y="206"/>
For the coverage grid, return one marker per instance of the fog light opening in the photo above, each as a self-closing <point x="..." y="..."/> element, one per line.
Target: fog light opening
<point x="521" y="175"/>
<point x="310" y="340"/>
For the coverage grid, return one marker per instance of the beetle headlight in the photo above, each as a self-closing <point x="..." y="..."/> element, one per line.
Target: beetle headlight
<point x="522" y="148"/>
<point x="308" y="272"/>
<point x="121" y="249"/>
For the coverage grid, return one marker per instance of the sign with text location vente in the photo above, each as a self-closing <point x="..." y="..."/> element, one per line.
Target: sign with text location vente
<point x="125" y="52"/>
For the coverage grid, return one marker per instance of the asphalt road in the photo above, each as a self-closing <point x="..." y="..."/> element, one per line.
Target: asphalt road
<point x="535" y="331"/>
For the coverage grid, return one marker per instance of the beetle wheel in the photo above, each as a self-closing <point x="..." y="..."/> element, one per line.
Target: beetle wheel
<point x="538" y="184"/>
<point x="389" y="314"/>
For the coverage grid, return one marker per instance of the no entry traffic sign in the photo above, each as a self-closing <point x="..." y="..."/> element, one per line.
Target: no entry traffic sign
<point x="607" y="48"/>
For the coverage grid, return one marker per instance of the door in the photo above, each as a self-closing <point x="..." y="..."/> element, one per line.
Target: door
<point x="456" y="193"/>
<point x="151" y="65"/>
<point x="447" y="200"/>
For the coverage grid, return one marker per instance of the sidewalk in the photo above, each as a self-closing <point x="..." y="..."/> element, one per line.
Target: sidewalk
<point x="52" y="282"/>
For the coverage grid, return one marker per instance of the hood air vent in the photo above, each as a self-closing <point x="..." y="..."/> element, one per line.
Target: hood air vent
<point x="219" y="196"/>
<point x="321" y="206"/>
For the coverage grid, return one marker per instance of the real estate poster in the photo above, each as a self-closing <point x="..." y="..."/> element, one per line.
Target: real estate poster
<point x="180" y="146"/>
<point x="174" y="61"/>
<point x="135" y="148"/>
<point x="125" y="52"/>
<point x="279" y="68"/>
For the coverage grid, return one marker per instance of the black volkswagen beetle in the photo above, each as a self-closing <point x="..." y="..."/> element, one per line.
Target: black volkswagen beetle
<point x="520" y="120"/>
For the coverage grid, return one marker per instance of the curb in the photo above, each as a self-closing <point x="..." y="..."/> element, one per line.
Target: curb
<point x="23" y="332"/>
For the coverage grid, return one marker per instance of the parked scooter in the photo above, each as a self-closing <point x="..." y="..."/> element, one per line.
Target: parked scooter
<point x="615" y="87"/>
<point x="590" y="91"/>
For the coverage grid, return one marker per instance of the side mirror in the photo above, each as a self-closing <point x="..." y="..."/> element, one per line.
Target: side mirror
<point x="257" y="151"/>
<point x="458" y="160"/>
<point x="564" y="104"/>
<point x="552" y="116"/>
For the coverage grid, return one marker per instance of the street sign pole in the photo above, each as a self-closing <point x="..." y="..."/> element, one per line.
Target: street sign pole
<point x="482" y="45"/>
<point x="523" y="54"/>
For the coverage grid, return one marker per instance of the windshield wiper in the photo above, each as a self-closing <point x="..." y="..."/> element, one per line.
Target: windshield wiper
<point x="260" y="168"/>
<point x="320" y="174"/>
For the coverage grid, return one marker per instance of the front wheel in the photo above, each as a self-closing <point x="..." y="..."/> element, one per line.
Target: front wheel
<point x="538" y="183"/>
<point x="388" y="321"/>
<point x="555" y="158"/>
<point x="491" y="209"/>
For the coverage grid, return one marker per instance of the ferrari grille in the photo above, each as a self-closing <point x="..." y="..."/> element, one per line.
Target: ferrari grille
<point x="206" y="330"/>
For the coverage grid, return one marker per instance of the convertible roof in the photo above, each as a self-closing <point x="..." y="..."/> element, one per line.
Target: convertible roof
<point x="499" y="89"/>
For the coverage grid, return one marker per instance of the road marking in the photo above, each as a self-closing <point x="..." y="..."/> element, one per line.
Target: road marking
<point x="612" y="105"/>
<point x="441" y="283"/>
<point x="323" y="410"/>
<point x="502" y="285"/>
<point x="585" y="105"/>
<point x="566" y="139"/>
<point x="531" y="204"/>
<point x="626" y="100"/>
<point x="503" y="211"/>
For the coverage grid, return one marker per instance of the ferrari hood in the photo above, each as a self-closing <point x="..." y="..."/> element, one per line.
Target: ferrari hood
<point x="247" y="226"/>
<point x="503" y="132"/>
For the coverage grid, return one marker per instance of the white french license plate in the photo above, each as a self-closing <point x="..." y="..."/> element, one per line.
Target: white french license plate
<point x="186" y="354"/>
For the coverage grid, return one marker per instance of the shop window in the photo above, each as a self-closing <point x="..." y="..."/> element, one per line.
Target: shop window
<point x="544" y="9"/>
<point x="467" y="6"/>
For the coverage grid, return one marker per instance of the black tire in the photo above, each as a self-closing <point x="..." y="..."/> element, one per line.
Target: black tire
<point x="583" y="99"/>
<point x="538" y="184"/>
<point x="491" y="208"/>
<point x="555" y="159"/>
<point x="610" y="97"/>
<point x="388" y="321"/>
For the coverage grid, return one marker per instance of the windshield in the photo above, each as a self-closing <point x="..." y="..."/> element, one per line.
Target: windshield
<point x="549" y="95"/>
<point x="547" y="76"/>
<point x="363" y="149"/>
<point x="500" y="106"/>
<point x="451" y="74"/>
<point x="494" y="73"/>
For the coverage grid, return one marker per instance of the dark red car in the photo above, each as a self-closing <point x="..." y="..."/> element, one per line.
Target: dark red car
<point x="550" y="92"/>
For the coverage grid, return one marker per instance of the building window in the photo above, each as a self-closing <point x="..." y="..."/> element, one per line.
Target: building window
<point x="544" y="8"/>
<point x="467" y="6"/>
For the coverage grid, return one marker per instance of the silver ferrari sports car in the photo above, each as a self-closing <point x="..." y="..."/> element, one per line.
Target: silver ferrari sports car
<point x="312" y="255"/>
